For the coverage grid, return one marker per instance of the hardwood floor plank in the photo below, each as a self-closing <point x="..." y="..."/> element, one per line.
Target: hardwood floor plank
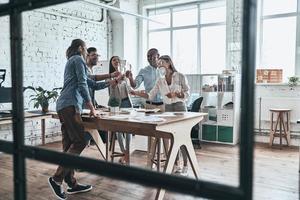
<point x="276" y="175"/>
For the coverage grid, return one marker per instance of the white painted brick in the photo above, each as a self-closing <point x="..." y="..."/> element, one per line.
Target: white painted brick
<point x="45" y="40"/>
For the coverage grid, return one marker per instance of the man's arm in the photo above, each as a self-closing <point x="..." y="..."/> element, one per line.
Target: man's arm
<point x="135" y="83"/>
<point x="101" y="77"/>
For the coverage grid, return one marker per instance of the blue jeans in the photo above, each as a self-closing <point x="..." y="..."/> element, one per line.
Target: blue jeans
<point x="125" y="103"/>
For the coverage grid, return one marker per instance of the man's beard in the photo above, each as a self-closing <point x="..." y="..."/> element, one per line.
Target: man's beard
<point x="94" y="62"/>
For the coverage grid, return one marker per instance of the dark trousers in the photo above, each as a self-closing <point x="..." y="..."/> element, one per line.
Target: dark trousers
<point x="73" y="142"/>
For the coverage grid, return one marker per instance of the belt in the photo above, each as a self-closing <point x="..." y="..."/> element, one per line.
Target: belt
<point x="155" y="103"/>
<point x="126" y="98"/>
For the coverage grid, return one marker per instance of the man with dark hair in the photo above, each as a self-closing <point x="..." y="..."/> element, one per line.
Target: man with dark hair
<point x="149" y="76"/>
<point x="91" y="61"/>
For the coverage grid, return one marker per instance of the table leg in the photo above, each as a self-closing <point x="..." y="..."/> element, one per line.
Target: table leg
<point x="127" y="149"/>
<point x="43" y="127"/>
<point x="108" y="152"/>
<point x="99" y="144"/>
<point x="192" y="158"/>
<point x="280" y="128"/>
<point x="175" y="146"/>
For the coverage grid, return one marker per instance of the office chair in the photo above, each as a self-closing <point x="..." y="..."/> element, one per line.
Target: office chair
<point x="195" y="130"/>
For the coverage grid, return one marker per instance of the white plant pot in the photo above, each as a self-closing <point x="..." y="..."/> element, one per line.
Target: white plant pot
<point x="114" y="109"/>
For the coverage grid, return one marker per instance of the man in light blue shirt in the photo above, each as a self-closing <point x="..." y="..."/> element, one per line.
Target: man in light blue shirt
<point x="149" y="76"/>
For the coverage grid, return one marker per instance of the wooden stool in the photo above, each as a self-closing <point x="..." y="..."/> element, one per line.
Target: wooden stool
<point x="156" y="150"/>
<point x="284" y="125"/>
<point x="114" y="154"/>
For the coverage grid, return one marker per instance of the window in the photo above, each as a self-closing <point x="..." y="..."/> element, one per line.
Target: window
<point x="185" y="16"/>
<point x="213" y="15"/>
<point x="161" y="41"/>
<point x="185" y="50"/>
<point x="213" y="49"/>
<point x="278" y="36"/>
<point x="271" y="7"/>
<point x="194" y="36"/>
<point x="161" y="19"/>
<point x="276" y="52"/>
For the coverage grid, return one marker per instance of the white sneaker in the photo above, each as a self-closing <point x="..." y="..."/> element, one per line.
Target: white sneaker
<point x="177" y="169"/>
<point x="184" y="171"/>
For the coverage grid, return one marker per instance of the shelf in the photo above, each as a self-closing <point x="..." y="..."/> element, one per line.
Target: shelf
<point x="219" y="90"/>
<point x="210" y="122"/>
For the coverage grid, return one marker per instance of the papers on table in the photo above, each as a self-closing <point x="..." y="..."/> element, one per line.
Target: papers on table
<point x="85" y="111"/>
<point x="117" y="117"/>
<point x="166" y="114"/>
<point x="149" y="118"/>
<point x="155" y="110"/>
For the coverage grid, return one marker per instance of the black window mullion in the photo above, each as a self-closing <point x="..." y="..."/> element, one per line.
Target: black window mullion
<point x="183" y="185"/>
<point x="247" y="97"/>
<point x="17" y="102"/>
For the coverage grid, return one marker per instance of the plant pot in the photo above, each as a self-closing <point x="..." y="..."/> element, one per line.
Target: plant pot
<point x="114" y="109"/>
<point x="45" y="109"/>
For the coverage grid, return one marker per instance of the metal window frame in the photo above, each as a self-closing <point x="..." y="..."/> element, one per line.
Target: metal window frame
<point x="262" y="18"/>
<point x="172" y="28"/>
<point x="189" y="186"/>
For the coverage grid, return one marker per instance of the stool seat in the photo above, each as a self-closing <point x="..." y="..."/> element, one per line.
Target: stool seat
<point x="281" y="127"/>
<point x="279" y="110"/>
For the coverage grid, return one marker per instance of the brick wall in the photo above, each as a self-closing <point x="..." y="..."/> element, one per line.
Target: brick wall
<point x="47" y="33"/>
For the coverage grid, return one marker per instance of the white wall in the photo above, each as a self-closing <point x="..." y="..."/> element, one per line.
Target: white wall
<point x="45" y="40"/>
<point x="276" y="96"/>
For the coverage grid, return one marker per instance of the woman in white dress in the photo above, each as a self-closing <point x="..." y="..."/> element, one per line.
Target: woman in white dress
<point x="174" y="89"/>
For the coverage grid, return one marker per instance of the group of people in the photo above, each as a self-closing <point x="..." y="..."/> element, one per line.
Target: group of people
<point x="165" y="88"/>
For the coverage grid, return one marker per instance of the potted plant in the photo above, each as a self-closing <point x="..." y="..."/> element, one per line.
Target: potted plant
<point x="114" y="104"/>
<point x="293" y="81"/>
<point x="42" y="97"/>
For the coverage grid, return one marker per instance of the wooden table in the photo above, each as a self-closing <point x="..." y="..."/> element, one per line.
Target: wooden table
<point x="175" y="128"/>
<point x="31" y="115"/>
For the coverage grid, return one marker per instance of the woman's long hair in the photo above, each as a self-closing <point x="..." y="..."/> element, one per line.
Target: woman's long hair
<point x="168" y="60"/>
<point x="112" y="69"/>
<point x="74" y="48"/>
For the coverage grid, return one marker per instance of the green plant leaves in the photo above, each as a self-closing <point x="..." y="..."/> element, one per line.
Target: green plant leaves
<point x="114" y="102"/>
<point x="42" y="97"/>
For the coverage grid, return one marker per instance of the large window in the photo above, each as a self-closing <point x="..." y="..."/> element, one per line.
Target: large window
<point x="194" y="35"/>
<point x="278" y="36"/>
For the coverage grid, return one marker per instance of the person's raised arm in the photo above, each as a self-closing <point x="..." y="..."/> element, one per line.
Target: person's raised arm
<point x="101" y="77"/>
<point x="140" y="94"/>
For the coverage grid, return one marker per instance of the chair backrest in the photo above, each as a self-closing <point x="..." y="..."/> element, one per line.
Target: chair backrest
<point x="196" y="105"/>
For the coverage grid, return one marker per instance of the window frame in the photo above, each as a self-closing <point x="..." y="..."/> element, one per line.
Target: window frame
<point x="199" y="188"/>
<point x="262" y="18"/>
<point x="198" y="26"/>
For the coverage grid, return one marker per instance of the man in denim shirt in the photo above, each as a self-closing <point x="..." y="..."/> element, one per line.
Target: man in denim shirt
<point x="149" y="76"/>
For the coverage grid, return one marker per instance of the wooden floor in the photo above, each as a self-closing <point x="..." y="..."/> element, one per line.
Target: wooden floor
<point x="276" y="175"/>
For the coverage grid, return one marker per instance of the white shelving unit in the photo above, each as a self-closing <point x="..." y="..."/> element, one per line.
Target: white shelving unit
<point x="221" y="100"/>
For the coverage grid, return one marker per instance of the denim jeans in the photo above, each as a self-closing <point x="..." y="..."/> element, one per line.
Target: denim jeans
<point x="125" y="103"/>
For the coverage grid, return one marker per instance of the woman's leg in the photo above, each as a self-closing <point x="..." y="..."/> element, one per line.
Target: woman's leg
<point x="120" y="139"/>
<point x="73" y="142"/>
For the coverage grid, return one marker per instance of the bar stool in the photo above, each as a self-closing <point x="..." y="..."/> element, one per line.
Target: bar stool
<point x="155" y="152"/>
<point x="283" y="120"/>
<point x="114" y="153"/>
